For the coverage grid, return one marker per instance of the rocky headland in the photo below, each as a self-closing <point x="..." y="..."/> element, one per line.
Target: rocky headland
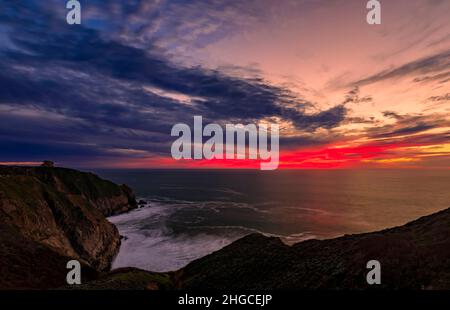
<point x="48" y="215"/>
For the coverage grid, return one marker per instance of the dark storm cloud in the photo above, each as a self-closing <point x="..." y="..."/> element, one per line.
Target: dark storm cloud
<point x="407" y="125"/>
<point x="326" y="119"/>
<point x="353" y="96"/>
<point x="445" y="97"/>
<point x="423" y="66"/>
<point x="360" y="120"/>
<point x="423" y="139"/>
<point x="392" y="114"/>
<point x="441" y="78"/>
<point x="406" y="130"/>
<point x="78" y="86"/>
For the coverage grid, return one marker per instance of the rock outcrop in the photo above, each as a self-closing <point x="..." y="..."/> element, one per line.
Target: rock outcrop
<point x="28" y="264"/>
<point x="63" y="211"/>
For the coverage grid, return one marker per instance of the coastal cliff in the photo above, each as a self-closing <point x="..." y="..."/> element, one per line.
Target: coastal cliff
<point x="56" y="214"/>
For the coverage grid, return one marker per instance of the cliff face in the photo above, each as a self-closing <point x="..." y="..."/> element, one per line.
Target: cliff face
<point x="27" y="264"/>
<point x="63" y="210"/>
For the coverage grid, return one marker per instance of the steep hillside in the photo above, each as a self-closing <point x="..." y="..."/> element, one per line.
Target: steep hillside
<point x="63" y="210"/>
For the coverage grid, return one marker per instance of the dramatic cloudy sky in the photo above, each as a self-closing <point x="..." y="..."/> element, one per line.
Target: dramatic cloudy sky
<point x="107" y="92"/>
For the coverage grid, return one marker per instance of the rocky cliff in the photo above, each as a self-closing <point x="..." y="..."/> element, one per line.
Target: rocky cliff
<point x="57" y="213"/>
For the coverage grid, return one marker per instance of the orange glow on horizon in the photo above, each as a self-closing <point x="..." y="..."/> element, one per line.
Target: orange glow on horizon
<point x="339" y="156"/>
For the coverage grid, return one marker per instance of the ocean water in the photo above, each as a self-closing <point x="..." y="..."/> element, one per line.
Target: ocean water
<point x="195" y="212"/>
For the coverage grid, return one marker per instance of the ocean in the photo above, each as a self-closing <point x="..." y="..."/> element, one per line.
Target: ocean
<point x="192" y="213"/>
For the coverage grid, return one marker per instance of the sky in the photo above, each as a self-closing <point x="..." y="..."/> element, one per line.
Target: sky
<point x="345" y="94"/>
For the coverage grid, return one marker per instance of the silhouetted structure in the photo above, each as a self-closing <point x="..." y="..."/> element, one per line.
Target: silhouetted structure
<point x="48" y="163"/>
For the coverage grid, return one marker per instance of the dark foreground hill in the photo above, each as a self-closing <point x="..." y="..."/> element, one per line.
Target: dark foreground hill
<point x="51" y="215"/>
<point x="413" y="256"/>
